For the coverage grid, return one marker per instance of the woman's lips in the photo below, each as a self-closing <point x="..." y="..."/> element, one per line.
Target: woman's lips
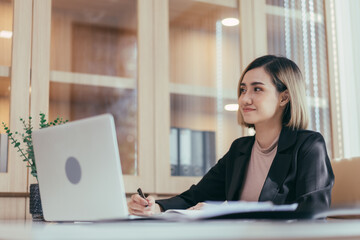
<point x="248" y="110"/>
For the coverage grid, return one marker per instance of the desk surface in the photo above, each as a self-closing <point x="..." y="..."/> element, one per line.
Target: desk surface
<point x="333" y="229"/>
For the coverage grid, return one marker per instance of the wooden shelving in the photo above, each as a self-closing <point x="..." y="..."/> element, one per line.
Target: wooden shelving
<point x="200" y="91"/>
<point x="92" y="80"/>
<point x="175" y="88"/>
<point x="227" y="3"/>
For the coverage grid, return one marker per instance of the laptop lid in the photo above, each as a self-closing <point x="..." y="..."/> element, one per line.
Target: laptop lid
<point x="79" y="171"/>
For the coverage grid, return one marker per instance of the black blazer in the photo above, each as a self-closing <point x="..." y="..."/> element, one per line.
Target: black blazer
<point x="300" y="173"/>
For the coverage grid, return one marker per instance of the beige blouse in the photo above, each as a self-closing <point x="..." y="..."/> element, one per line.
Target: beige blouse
<point x="259" y="166"/>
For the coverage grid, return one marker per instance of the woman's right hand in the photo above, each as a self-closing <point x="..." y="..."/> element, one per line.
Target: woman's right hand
<point x="137" y="206"/>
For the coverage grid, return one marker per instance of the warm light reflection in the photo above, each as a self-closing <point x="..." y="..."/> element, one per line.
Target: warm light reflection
<point x="229" y="22"/>
<point x="5" y="34"/>
<point x="231" y="107"/>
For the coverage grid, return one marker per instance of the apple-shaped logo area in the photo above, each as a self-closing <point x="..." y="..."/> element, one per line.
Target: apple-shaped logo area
<point x="73" y="170"/>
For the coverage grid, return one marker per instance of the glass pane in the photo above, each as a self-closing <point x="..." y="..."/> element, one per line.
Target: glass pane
<point x="295" y="5"/>
<point x="4" y="113"/>
<point x="94" y="66"/>
<point x="204" y="72"/>
<point x="6" y="22"/>
<point x="300" y="35"/>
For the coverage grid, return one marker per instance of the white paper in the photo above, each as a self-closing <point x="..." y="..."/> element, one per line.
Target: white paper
<point x="214" y="209"/>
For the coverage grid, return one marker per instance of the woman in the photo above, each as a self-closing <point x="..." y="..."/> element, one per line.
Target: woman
<point x="282" y="163"/>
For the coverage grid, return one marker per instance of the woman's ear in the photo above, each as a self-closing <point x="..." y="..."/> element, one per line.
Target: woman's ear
<point x="284" y="98"/>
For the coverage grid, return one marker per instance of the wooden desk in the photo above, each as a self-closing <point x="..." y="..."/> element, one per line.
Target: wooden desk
<point x="334" y="229"/>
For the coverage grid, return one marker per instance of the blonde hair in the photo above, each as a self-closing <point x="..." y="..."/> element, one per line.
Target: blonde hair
<point x="285" y="75"/>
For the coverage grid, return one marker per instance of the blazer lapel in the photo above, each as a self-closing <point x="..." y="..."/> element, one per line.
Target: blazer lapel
<point x="276" y="176"/>
<point x="280" y="166"/>
<point x="239" y="170"/>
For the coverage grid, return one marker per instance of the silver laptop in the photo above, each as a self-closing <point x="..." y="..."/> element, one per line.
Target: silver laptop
<point x="79" y="171"/>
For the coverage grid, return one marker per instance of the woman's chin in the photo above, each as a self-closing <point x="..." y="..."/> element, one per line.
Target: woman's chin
<point x="249" y="121"/>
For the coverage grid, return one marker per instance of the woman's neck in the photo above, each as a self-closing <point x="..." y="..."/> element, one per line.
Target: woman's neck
<point x="265" y="134"/>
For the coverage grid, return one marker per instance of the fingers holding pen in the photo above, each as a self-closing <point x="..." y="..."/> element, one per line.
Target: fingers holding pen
<point x="135" y="206"/>
<point x="150" y="200"/>
<point x="140" y="206"/>
<point x="139" y="200"/>
<point x="137" y="203"/>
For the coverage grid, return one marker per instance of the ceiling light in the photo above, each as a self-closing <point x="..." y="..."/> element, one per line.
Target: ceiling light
<point x="230" y="22"/>
<point x="5" y="34"/>
<point x="231" y="107"/>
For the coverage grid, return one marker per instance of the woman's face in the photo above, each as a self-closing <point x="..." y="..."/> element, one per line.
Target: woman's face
<point x="259" y="101"/>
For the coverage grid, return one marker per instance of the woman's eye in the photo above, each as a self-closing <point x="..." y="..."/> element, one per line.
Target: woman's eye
<point x="257" y="89"/>
<point x="242" y="90"/>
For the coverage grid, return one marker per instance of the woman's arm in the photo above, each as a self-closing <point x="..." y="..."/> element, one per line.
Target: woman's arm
<point x="315" y="177"/>
<point x="210" y="187"/>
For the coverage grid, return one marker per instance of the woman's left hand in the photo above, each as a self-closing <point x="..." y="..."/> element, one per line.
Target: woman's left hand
<point x="198" y="206"/>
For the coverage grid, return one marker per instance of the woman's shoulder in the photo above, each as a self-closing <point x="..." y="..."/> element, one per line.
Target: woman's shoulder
<point x="298" y="138"/>
<point x="303" y="134"/>
<point x="309" y="140"/>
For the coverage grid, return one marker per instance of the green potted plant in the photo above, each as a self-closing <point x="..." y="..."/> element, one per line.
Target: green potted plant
<point x="26" y="151"/>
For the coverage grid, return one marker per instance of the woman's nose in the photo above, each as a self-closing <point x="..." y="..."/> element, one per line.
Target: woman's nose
<point x="245" y="99"/>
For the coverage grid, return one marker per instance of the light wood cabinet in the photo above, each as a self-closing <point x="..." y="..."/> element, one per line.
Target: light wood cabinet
<point x="198" y="62"/>
<point x="16" y="17"/>
<point x="15" y="82"/>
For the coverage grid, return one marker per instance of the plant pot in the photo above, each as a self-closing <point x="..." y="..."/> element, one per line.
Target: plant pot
<point x="35" y="203"/>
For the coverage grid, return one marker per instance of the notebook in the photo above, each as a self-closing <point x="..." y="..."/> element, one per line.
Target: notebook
<point x="234" y="210"/>
<point x="79" y="171"/>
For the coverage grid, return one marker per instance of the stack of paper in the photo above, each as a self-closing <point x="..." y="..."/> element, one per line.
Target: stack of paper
<point x="219" y="209"/>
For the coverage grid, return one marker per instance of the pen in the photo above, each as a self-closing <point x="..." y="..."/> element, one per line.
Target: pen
<point x="141" y="195"/>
